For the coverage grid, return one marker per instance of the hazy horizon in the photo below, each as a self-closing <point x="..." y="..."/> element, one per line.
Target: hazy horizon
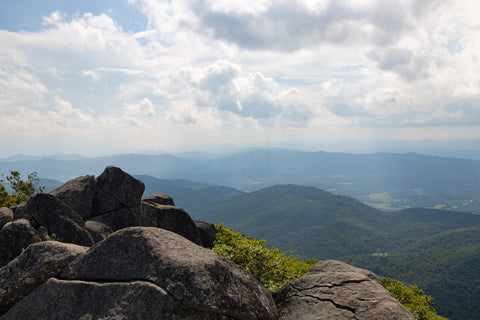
<point x="466" y="149"/>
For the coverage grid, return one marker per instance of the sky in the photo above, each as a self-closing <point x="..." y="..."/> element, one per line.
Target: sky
<point x="111" y="76"/>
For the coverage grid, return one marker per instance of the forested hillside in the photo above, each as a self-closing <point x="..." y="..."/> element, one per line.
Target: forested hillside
<point x="436" y="249"/>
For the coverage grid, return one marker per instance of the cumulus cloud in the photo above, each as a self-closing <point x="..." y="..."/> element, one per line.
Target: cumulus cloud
<point x="223" y="87"/>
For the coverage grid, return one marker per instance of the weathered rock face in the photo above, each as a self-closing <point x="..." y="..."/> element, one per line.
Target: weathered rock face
<point x="78" y="194"/>
<point x="145" y="267"/>
<point x="34" y="266"/>
<point x="14" y="237"/>
<point x="116" y="189"/>
<point x="61" y="221"/>
<point x="336" y="290"/>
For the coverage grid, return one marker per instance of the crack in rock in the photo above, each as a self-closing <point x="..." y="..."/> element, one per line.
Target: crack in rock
<point x="206" y="309"/>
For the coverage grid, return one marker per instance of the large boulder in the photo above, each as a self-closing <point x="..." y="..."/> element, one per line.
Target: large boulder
<point x="198" y="279"/>
<point x="6" y="215"/>
<point x="116" y="189"/>
<point x="34" y="266"/>
<point x="61" y="221"/>
<point x="78" y="194"/>
<point x="336" y="290"/>
<point x="14" y="237"/>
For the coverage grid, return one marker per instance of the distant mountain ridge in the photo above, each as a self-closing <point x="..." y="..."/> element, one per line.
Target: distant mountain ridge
<point x="384" y="180"/>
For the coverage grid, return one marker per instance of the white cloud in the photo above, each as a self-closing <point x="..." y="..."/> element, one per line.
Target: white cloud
<point x="144" y="107"/>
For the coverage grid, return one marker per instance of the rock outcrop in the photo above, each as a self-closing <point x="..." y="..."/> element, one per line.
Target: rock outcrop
<point x="157" y="267"/>
<point x="336" y="290"/>
<point x="121" y="257"/>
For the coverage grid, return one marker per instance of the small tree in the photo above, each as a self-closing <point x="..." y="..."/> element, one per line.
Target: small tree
<point x="21" y="189"/>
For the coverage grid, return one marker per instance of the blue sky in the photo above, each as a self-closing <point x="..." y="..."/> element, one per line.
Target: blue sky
<point x="99" y="77"/>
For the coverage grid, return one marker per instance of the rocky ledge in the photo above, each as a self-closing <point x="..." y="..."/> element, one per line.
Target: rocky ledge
<point x="93" y="249"/>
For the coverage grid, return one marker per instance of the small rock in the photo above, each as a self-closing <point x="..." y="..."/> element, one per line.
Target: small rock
<point x="99" y="231"/>
<point x="14" y="237"/>
<point x="159" y="198"/>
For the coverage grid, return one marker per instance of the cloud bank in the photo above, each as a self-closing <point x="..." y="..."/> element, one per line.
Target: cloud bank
<point x="219" y="65"/>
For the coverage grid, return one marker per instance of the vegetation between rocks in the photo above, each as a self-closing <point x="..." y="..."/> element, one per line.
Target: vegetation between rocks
<point x="276" y="268"/>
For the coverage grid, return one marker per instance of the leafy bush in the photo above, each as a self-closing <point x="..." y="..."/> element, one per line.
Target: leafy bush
<point x="414" y="299"/>
<point x="273" y="267"/>
<point x="21" y="189"/>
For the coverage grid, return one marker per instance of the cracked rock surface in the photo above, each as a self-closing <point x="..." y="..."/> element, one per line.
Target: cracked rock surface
<point x="336" y="290"/>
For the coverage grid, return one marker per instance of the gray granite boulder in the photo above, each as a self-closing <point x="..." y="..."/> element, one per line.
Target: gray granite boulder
<point x="78" y="194"/>
<point x="62" y="222"/>
<point x="197" y="279"/>
<point x="336" y="290"/>
<point x="32" y="267"/>
<point x="159" y="198"/>
<point x="116" y="189"/>
<point x="6" y="215"/>
<point x="14" y="237"/>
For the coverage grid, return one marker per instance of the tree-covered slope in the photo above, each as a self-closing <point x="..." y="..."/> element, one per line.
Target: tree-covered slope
<point x="318" y="224"/>
<point x="446" y="265"/>
<point x="436" y="249"/>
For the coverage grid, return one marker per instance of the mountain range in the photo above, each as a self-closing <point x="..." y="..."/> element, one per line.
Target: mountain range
<point x="384" y="180"/>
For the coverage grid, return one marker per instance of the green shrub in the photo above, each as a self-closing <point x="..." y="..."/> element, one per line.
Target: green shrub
<point x="414" y="299"/>
<point x="273" y="267"/>
<point x="21" y="189"/>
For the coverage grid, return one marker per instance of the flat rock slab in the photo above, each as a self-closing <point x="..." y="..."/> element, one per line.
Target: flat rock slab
<point x="336" y="290"/>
